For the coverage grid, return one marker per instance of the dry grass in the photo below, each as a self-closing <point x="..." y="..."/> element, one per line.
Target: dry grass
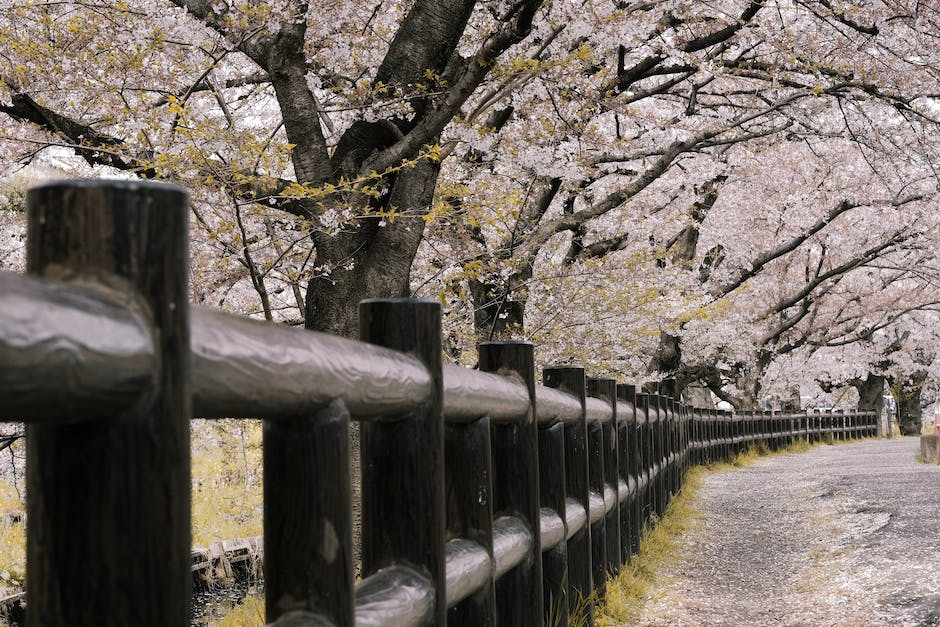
<point x="635" y="586"/>
<point x="248" y="613"/>
<point x="12" y="542"/>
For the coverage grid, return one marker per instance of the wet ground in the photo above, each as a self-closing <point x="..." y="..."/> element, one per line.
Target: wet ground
<point x="839" y="535"/>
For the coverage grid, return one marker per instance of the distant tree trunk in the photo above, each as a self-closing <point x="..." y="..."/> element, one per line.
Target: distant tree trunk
<point x="871" y="396"/>
<point x="668" y="357"/>
<point x="750" y="380"/>
<point x="372" y="261"/>
<point x="908" y="393"/>
<point x="870" y="392"/>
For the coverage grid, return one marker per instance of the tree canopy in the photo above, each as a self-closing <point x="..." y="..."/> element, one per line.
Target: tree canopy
<point x="739" y="194"/>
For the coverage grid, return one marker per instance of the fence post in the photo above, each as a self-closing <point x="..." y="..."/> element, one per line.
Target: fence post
<point x="662" y="455"/>
<point x="516" y="484"/>
<point x="403" y="515"/>
<point x="709" y="435"/>
<point x="645" y="459"/>
<point x="108" y="525"/>
<point x="628" y="464"/>
<point x="608" y="553"/>
<point x="676" y="428"/>
<point x="308" y="516"/>
<point x="570" y="379"/>
<point x="655" y="468"/>
<point x="468" y="494"/>
<point x="552" y="482"/>
<point x="595" y="443"/>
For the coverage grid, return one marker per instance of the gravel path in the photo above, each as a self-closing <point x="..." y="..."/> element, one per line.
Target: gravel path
<point x="839" y="535"/>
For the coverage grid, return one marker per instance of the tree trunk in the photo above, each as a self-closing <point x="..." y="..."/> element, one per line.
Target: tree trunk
<point x="908" y="395"/>
<point x="870" y="392"/>
<point x="750" y="380"/>
<point x="871" y="397"/>
<point x="667" y="359"/>
<point x="373" y="261"/>
<point x="499" y="307"/>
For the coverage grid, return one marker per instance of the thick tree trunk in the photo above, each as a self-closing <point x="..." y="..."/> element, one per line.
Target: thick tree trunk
<point x="871" y="397"/>
<point x="750" y="381"/>
<point x="908" y="394"/>
<point x="667" y="358"/>
<point x="373" y="261"/>
<point x="870" y="392"/>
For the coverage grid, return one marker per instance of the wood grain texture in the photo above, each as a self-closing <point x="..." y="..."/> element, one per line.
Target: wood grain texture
<point x="468" y="493"/>
<point x="308" y="516"/>
<point x="514" y="448"/>
<point x="246" y="368"/>
<point x="68" y="352"/>
<point x="108" y="523"/>
<point x="571" y="380"/>
<point x="403" y="455"/>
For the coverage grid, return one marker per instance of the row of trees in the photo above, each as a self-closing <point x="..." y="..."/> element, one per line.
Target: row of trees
<point x="734" y="193"/>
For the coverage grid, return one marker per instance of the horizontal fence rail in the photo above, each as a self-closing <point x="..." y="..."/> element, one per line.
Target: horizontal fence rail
<point x="487" y="498"/>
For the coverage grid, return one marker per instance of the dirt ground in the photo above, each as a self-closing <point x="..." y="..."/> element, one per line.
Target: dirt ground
<point x="839" y="535"/>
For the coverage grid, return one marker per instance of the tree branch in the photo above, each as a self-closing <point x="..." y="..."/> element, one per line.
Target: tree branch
<point x="516" y="27"/>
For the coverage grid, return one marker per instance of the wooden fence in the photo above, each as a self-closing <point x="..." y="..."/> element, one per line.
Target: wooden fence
<point x="486" y="497"/>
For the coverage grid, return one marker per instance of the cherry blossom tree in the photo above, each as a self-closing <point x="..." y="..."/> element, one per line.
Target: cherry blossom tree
<point x="305" y="129"/>
<point x="645" y="178"/>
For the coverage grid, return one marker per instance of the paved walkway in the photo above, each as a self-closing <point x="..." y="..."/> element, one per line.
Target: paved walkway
<point x="839" y="535"/>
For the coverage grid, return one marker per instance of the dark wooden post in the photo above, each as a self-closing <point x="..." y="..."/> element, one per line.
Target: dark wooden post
<point x="595" y="439"/>
<point x="758" y="427"/>
<point x="645" y="457"/>
<point x="552" y="479"/>
<point x="308" y="516"/>
<point x="778" y="430"/>
<point x="728" y="421"/>
<point x="675" y="428"/>
<point x="612" y="475"/>
<point x="747" y="419"/>
<point x="662" y="455"/>
<point x="695" y="434"/>
<point x="655" y="470"/>
<point x="468" y="494"/>
<point x="709" y="435"/>
<point x="609" y="552"/>
<point x="716" y="435"/>
<point x="108" y="524"/>
<point x="631" y="516"/>
<point x="668" y="454"/>
<point x="772" y="432"/>
<point x="516" y="484"/>
<point x="403" y="459"/>
<point x="721" y="425"/>
<point x="686" y="438"/>
<point x="679" y="419"/>
<point x="570" y="379"/>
